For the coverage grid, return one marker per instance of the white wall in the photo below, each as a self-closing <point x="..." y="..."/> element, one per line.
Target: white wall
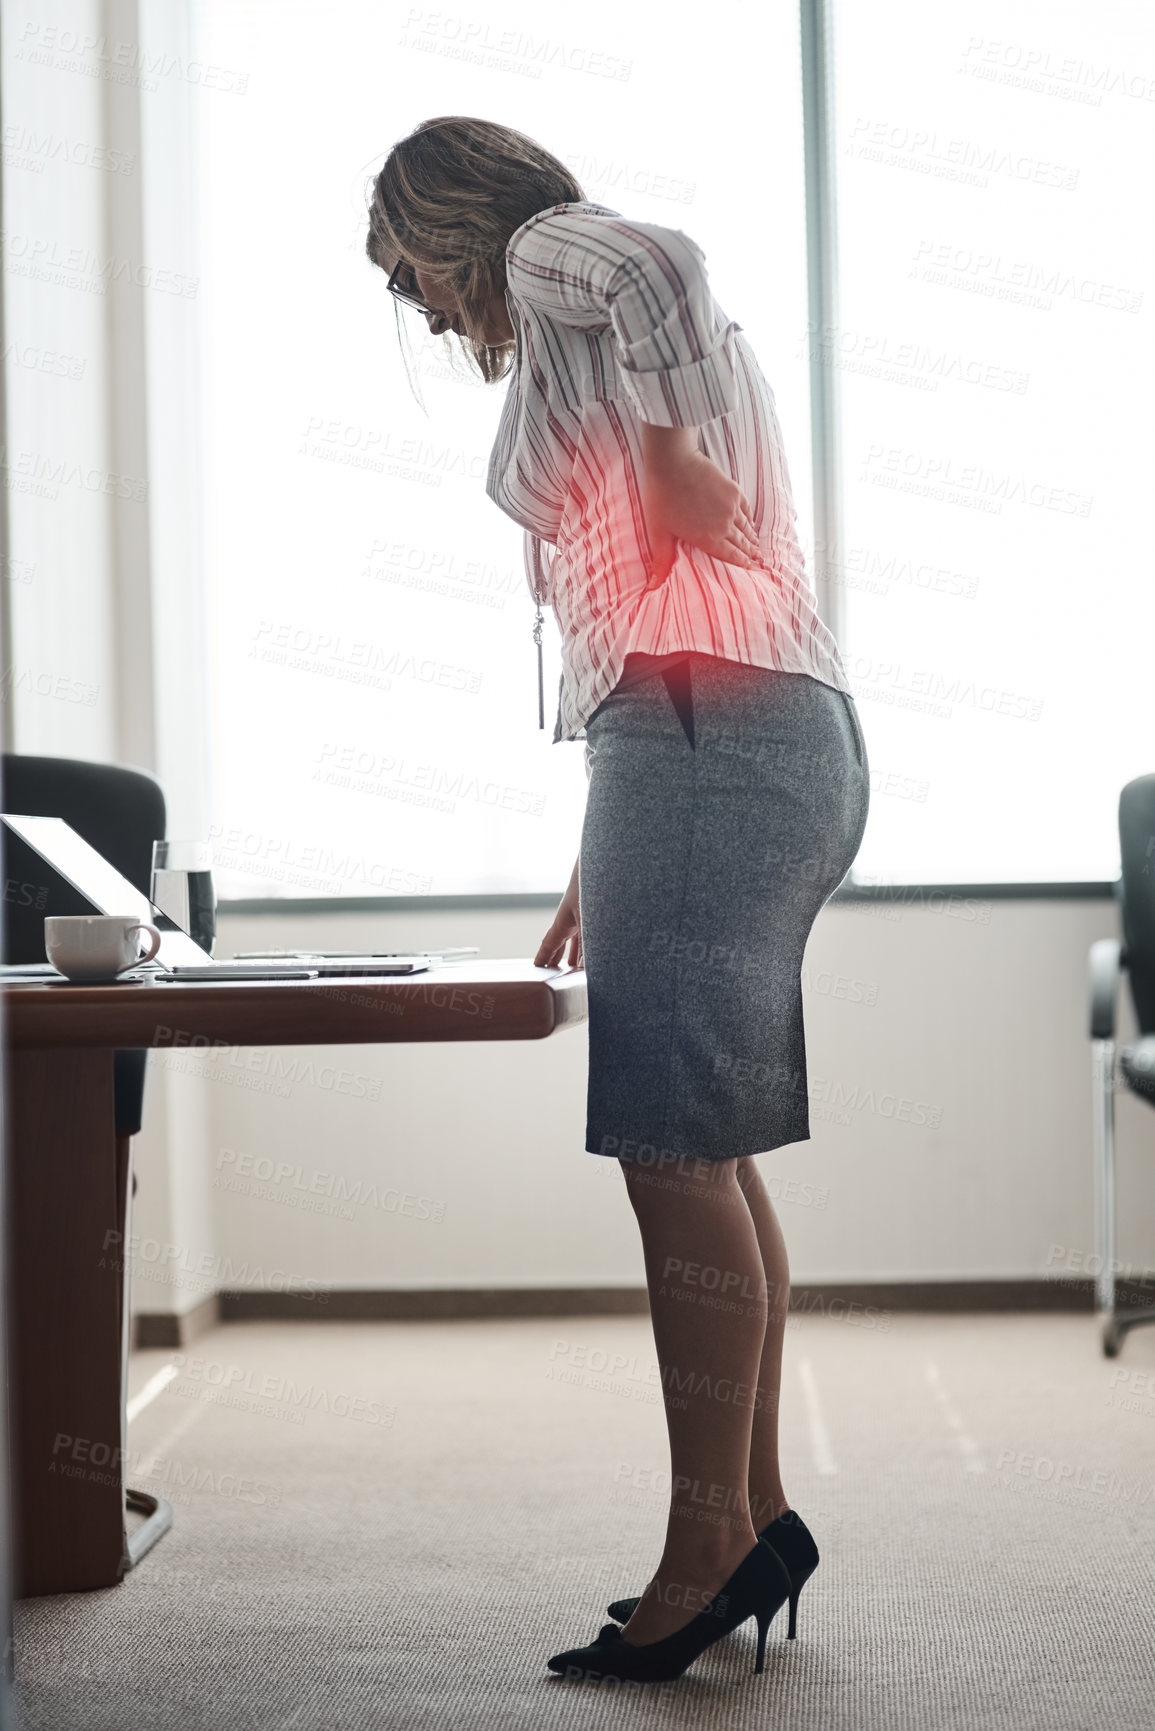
<point x="100" y="300"/>
<point x="978" y="1014"/>
<point x="63" y="470"/>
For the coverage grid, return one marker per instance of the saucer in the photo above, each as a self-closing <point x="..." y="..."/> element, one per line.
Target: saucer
<point x="129" y="979"/>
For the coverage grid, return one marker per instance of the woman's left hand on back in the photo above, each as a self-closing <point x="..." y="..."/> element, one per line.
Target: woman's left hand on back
<point x="687" y="497"/>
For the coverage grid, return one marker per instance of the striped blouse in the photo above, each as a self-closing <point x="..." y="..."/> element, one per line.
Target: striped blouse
<point x="615" y="324"/>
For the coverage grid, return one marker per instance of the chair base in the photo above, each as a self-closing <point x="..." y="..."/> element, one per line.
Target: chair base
<point x="159" y="1512"/>
<point x="1116" y="1326"/>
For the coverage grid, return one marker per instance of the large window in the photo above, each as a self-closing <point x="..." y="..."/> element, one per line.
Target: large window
<point x="375" y="676"/>
<point x="375" y="698"/>
<point x="994" y="353"/>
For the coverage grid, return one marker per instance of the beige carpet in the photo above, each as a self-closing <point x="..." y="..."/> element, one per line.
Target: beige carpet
<point x="460" y="1500"/>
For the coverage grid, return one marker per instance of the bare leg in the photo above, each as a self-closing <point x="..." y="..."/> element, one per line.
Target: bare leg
<point x="708" y="1304"/>
<point x="767" y="1498"/>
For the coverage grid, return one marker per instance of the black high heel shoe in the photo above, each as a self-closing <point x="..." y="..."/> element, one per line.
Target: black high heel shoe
<point x="759" y="1587"/>
<point x="791" y="1538"/>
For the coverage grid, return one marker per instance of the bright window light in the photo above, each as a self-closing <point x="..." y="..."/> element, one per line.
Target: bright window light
<point x="994" y="351"/>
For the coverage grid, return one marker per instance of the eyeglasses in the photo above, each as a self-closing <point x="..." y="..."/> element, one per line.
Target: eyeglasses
<point x="407" y="295"/>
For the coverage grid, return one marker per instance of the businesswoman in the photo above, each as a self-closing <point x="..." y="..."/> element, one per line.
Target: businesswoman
<point x="639" y="449"/>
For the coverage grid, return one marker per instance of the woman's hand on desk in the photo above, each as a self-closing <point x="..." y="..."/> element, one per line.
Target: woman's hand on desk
<point x="687" y="497"/>
<point x="566" y="929"/>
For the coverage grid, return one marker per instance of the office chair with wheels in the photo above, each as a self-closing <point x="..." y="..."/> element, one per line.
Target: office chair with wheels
<point x="1135" y="1064"/>
<point x="119" y="812"/>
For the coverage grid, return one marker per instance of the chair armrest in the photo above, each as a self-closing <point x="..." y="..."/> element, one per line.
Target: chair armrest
<point x="1107" y="960"/>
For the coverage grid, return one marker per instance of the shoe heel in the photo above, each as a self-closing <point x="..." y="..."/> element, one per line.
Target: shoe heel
<point x="792" y="1631"/>
<point x="763" y="1626"/>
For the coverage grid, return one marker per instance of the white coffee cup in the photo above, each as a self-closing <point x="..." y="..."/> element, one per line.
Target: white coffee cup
<point x="97" y="946"/>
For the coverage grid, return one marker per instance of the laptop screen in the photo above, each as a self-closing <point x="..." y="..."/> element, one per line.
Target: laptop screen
<point x="102" y="885"/>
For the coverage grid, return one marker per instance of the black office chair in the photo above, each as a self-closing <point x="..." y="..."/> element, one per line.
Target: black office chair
<point x="119" y="812"/>
<point x="1136" y="1063"/>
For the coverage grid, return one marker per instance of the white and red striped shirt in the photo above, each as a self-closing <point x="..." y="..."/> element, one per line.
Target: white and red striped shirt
<point x="615" y="324"/>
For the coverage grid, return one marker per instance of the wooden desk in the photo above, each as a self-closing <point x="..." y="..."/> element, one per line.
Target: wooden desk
<point x="69" y="1189"/>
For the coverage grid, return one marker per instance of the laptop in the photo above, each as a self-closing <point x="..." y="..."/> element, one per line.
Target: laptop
<point x="179" y="956"/>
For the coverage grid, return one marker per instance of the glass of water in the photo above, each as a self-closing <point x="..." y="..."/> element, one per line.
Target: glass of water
<point x="182" y="888"/>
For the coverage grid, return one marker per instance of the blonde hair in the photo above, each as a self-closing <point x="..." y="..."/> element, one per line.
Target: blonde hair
<point x="447" y="201"/>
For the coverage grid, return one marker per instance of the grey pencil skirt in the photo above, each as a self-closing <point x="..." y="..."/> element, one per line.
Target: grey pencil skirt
<point x="725" y="804"/>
